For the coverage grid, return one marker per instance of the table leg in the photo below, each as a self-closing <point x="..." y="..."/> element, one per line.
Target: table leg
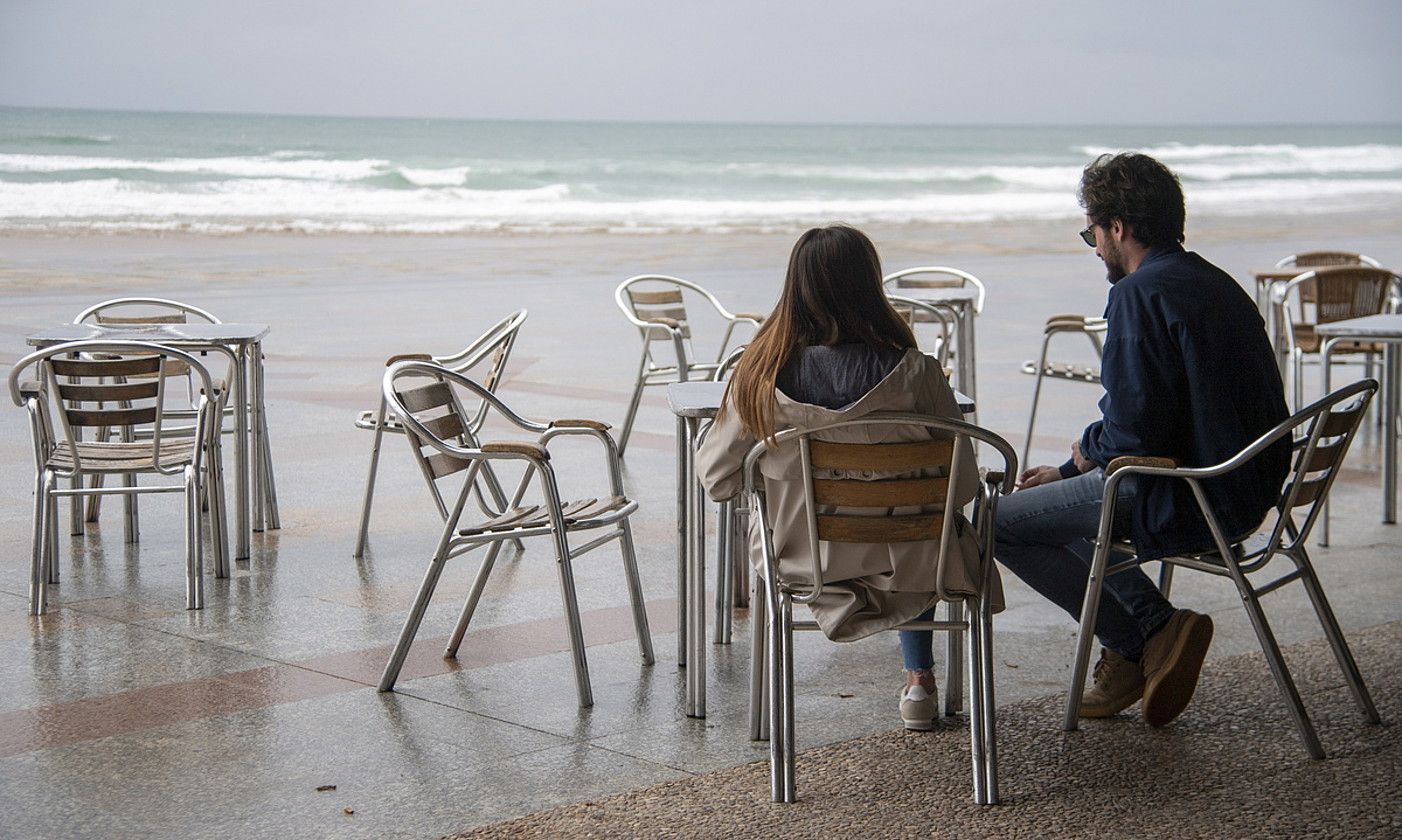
<point x="683" y="543"/>
<point x="1326" y="354"/>
<point x="241" y="459"/>
<point x="696" y="584"/>
<point x="255" y="459"/>
<point x="968" y="375"/>
<point x="1392" y="373"/>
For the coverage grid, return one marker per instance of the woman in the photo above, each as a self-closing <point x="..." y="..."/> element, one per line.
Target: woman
<point x="833" y="349"/>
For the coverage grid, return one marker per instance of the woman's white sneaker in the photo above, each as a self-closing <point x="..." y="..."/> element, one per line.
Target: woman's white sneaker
<point x="919" y="707"/>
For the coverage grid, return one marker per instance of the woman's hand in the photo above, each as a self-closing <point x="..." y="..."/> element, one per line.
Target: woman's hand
<point x="1045" y="474"/>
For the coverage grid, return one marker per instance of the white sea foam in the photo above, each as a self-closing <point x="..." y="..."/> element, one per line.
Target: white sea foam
<point x="243" y="167"/>
<point x="453" y="176"/>
<point x="1218" y="162"/>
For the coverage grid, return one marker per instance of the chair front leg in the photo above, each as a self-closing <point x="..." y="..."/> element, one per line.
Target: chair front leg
<point x="473" y="596"/>
<point x="194" y="567"/>
<point x="977" y="708"/>
<point x="370" y="481"/>
<point x="39" y="562"/>
<point x="634" y="401"/>
<point x="1090" y="608"/>
<point x="565" y="568"/>
<point x="759" y="660"/>
<point x="1337" y="642"/>
<point x="635" y="592"/>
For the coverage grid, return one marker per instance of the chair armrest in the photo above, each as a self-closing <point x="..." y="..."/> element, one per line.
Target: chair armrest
<point x="1139" y="461"/>
<point x="516" y="447"/>
<point x="408" y="357"/>
<point x="596" y="425"/>
<point x="748" y="316"/>
<point x="30" y="388"/>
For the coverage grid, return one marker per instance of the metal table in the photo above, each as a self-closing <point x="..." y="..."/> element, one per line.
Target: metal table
<point x="693" y="402"/>
<point x="242" y="343"/>
<point x="962" y="300"/>
<point x="1387" y="330"/>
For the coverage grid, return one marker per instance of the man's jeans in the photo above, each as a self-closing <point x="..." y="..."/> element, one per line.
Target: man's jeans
<point x="1046" y="536"/>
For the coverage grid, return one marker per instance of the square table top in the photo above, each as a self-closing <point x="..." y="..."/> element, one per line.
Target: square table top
<point x="195" y="334"/>
<point x="1385" y="327"/>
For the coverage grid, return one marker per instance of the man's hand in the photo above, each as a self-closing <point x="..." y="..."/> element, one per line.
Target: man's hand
<point x="1044" y="474"/>
<point x="1082" y="463"/>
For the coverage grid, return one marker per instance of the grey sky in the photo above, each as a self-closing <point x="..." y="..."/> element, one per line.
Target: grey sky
<point x="1024" y="61"/>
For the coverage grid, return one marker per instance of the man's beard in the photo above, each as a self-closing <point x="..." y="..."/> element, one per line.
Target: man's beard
<point x="1114" y="263"/>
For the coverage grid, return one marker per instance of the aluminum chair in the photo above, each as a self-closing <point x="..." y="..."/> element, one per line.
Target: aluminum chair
<point x="118" y="385"/>
<point x="1325" y="429"/>
<point x="917" y="312"/>
<point x="1324" y="295"/>
<point x="428" y="399"/>
<point x="656" y="305"/>
<point x="1092" y="329"/>
<point x="934" y="460"/>
<point x="491" y="351"/>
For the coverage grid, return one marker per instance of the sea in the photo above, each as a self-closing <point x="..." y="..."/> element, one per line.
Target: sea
<point x="70" y="170"/>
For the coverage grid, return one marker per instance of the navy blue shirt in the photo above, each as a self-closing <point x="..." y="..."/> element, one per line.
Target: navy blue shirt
<point x="1189" y="375"/>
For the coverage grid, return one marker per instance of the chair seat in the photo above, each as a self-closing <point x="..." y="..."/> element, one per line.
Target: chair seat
<point x="108" y="457"/>
<point x="1064" y="370"/>
<point x="580" y="514"/>
<point x="1309" y="342"/>
<point x="368" y="420"/>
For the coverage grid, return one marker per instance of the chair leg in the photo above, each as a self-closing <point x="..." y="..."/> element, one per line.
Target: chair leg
<point x="953" y="667"/>
<point x="990" y="713"/>
<point x="416" y="615"/>
<point x="218" y="519"/>
<point x="1036" y="397"/>
<point x="194" y="579"/>
<point x="94" y="502"/>
<point x="1279" y="670"/>
<point x="759" y="661"/>
<point x="75" y="508"/>
<point x="1342" y="654"/>
<point x="725" y="577"/>
<point x="739" y="561"/>
<point x="131" y="527"/>
<point x="635" y="592"/>
<point x="572" y="619"/>
<point x="1165" y="578"/>
<point x="39" y="561"/>
<point x="976" y="707"/>
<point x="633" y="403"/>
<point x="784" y="700"/>
<point x="370" y="483"/>
<point x="474" y="595"/>
<point x="51" y="538"/>
<point x="1090" y="609"/>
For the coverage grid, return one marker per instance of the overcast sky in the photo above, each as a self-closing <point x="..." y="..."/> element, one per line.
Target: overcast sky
<point x="930" y="61"/>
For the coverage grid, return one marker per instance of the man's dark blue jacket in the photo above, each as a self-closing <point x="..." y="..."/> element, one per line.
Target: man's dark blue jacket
<point x="1189" y="375"/>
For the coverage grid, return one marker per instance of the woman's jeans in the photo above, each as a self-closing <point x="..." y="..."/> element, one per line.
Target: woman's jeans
<point x="1046" y="536"/>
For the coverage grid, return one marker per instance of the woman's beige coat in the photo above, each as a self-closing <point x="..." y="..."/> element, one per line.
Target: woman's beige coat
<point x="880" y="585"/>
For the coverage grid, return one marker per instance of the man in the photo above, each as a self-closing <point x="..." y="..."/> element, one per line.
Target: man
<point x="1189" y="375"/>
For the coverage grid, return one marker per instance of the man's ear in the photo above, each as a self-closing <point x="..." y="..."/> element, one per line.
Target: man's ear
<point x="1117" y="229"/>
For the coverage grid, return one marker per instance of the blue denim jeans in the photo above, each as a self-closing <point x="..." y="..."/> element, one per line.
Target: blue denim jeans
<point x="1046" y="536"/>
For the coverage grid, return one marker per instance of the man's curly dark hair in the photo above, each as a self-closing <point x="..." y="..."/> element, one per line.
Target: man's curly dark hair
<point x="1139" y="191"/>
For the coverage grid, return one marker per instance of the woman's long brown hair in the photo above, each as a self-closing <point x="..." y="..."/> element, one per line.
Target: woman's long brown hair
<point x="832" y="295"/>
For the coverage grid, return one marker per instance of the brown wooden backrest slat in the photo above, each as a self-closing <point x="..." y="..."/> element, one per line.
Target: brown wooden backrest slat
<point x="94" y="368"/>
<point x="882" y="457"/>
<point x="667" y="296"/>
<point x="879" y="529"/>
<point x="424" y="397"/>
<point x="676" y="313"/>
<point x="445" y="427"/>
<point x="1310" y="490"/>
<point x="885" y="493"/>
<point x="128" y="391"/>
<point x="929" y="282"/>
<point x="441" y="464"/>
<point x="132" y="320"/>
<point x="1339" y="422"/>
<point x="1324" y="457"/>
<point x="110" y="416"/>
<point x="1317" y="259"/>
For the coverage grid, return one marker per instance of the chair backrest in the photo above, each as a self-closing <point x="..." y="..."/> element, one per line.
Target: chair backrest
<point x="934" y="277"/>
<point x="727" y="365"/>
<point x="869" y="481"/>
<point x="1335" y="293"/>
<point x="135" y="311"/>
<point x="111" y="385"/>
<point x="1321" y="434"/>
<point x="657" y="299"/>
<point x="490" y="351"/>
<point x="1321" y="259"/>
<point x="916" y="312"/>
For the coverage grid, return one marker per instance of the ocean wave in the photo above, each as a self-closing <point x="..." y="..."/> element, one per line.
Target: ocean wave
<point x="243" y="167"/>
<point x="453" y="176"/>
<point x="1216" y="162"/>
<point x="312" y="207"/>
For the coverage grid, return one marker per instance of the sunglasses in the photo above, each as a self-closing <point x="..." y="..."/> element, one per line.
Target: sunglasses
<point x="1088" y="235"/>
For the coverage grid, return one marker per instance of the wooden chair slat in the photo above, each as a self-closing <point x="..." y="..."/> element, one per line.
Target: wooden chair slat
<point x="441" y="464"/>
<point x="882" y="457"/>
<point x="641" y="298"/>
<point x="142" y="390"/>
<point x="929" y="282"/>
<point x="887" y="493"/>
<point x="133" y="320"/>
<point x="424" y="397"/>
<point x="1339" y="422"/>
<point x="676" y="313"/>
<point x="110" y="416"/>
<point x="445" y="427"/>
<point x="94" y="368"/>
<point x="834" y="527"/>
<point x="1310" y="490"/>
<point x="1324" y="457"/>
